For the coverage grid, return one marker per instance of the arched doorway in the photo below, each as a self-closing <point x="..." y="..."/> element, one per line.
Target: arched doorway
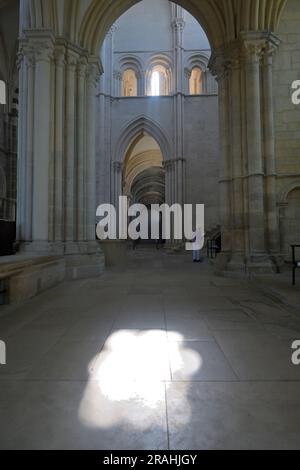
<point x="144" y="181"/>
<point x="143" y="171"/>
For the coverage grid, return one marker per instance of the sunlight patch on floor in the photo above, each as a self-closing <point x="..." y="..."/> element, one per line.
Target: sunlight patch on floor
<point x="133" y="366"/>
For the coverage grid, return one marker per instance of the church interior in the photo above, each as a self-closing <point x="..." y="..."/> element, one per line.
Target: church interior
<point x="124" y="344"/>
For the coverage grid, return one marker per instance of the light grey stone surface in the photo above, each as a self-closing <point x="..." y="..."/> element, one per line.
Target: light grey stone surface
<point x="104" y="364"/>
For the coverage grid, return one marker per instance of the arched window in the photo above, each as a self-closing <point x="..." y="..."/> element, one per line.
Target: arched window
<point x="2" y="92"/>
<point x="159" y="81"/>
<point x="130" y="83"/>
<point x="196" y="85"/>
<point x="155" y="83"/>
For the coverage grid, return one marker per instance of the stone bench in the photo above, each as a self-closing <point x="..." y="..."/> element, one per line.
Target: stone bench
<point x="25" y="276"/>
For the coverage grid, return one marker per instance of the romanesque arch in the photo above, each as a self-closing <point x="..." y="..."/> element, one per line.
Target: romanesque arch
<point x="133" y="63"/>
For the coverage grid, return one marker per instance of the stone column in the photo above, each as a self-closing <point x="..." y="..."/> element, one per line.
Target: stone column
<point x="140" y="84"/>
<point x="248" y="174"/>
<point x="256" y="202"/>
<point x="22" y="138"/>
<point x="219" y="67"/>
<point x="43" y="50"/>
<point x="237" y="160"/>
<point x="167" y="168"/>
<point x="118" y="83"/>
<point x="116" y="183"/>
<point x="273" y="242"/>
<point x="90" y="185"/>
<point x="25" y="144"/>
<point x="69" y="195"/>
<point x="59" y="153"/>
<point x="81" y="176"/>
<point x="178" y="26"/>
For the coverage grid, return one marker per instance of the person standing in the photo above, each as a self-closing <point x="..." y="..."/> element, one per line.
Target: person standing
<point x="198" y="237"/>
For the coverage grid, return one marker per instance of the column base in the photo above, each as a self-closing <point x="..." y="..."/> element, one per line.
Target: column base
<point x="237" y="264"/>
<point x="82" y="259"/>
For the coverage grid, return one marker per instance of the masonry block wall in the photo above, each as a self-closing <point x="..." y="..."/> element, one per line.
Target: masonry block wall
<point x="287" y="126"/>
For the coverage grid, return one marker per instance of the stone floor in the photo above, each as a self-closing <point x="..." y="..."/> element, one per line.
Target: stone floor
<point x="160" y="355"/>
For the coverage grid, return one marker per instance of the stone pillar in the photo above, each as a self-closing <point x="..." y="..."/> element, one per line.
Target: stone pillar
<point x="43" y="50"/>
<point x="248" y="174"/>
<point x="237" y="160"/>
<point x="59" y="153"/>
<point x="219" y="68"/>
<point x="167" y="167"/>
<point x="141" y="83"/>
<point x="118" y="83"/>
<point x="81" y="176"/>
<point x="117" y="169"/>
<point x="273" y="241"/>
<point x="178" y="25"/>
<point x="69" y="216"/>
<point x="35" y="140"/>
<point x="57" y="142"/>
<point x="256" y="197"/>
<point x="90" y="184"/>
<point x="22" y="151"/>
<point x="25" y="143"/>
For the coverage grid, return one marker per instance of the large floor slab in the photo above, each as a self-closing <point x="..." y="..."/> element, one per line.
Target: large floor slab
<point x="160" y="354"/>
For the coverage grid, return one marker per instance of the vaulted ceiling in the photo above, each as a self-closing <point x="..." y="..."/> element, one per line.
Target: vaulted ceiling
<point x="87" y="21"/>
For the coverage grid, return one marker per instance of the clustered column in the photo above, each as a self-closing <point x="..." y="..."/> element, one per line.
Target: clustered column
<point x="178" y="25"/>
<point x="175" y="181"/>
<point x="56" y="181"/>
<point x="117" y="182"/>
<point x="220" y="69"/>
<point x="248" y="170"/>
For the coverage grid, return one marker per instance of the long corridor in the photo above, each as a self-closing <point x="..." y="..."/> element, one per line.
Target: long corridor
<point x="159" y="355"/>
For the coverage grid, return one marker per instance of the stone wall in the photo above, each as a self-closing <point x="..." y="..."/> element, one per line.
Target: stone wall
<point x="8" y="112"/>
<point x="287" y="118"/>
<point x="181" y="42"/>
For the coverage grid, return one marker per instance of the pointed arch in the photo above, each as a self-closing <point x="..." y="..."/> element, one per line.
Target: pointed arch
<point x="134" y="129"/>
<point x="295" y="184"/>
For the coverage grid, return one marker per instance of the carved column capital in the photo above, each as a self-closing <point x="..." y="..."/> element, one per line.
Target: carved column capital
<point x="178" y="24"/>
<point x="43" y="49"/>
<point x="117" y="167"/>
<point x="187" y="73"/>
<point x="112" y="30"/>
<point x="169" y="164"/>
<point x="218" y="66"/>
<point x="71" y="61"/>
<point x="117" y="75"/>
<point x="82" y="66"/>
<point x="26" y="53"/>
<point x="59" y="56"/>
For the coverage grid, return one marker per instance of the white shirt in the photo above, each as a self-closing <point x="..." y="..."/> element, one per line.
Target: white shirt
<point x="198" y="238"/>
